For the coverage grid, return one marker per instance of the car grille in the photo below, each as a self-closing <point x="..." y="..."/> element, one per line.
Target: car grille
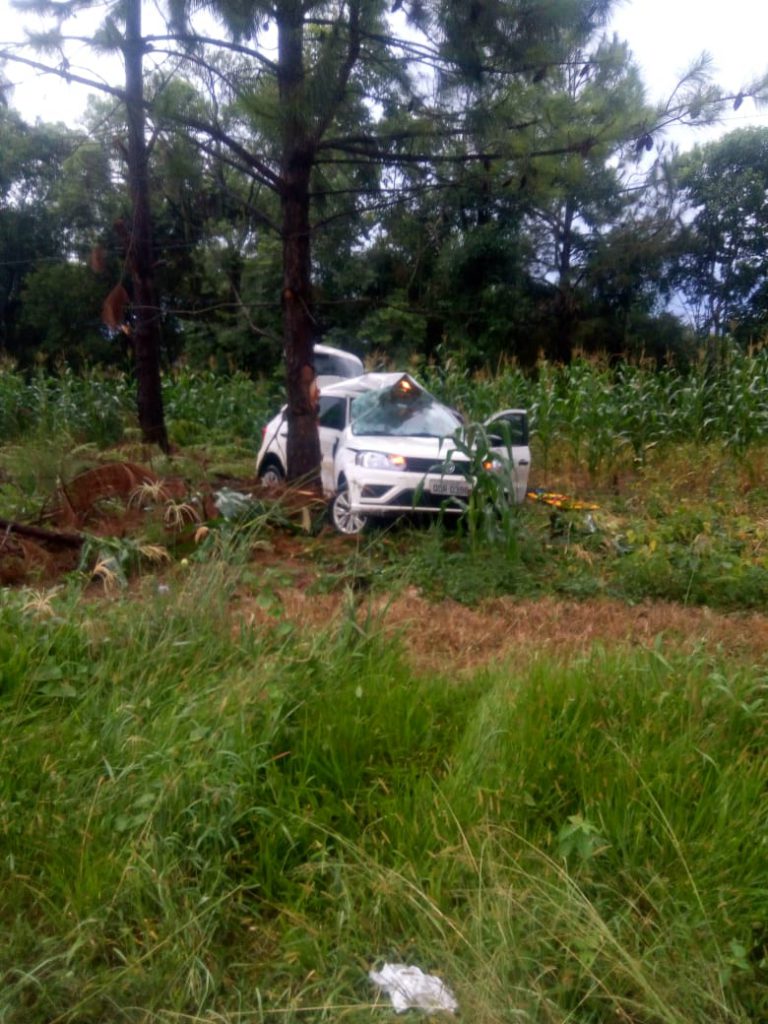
<point x="423" y="499"/>
<point x="430" y="466"/>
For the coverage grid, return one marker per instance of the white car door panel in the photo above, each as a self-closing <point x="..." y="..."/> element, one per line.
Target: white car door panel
<point x="508" y="437"/>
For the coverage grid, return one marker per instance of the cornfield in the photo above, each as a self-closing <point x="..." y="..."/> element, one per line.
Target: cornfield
<point x="100" y="408"/>
<point x="594" y="416"/>
<point x="597" y="416"/>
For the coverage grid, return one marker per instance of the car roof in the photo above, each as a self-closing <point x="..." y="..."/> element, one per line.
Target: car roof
<point x="352" y="386"/>
<point x="331" y="350"/>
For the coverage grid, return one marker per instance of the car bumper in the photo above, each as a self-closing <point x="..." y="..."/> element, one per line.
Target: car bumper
<point x="384" y="492"/>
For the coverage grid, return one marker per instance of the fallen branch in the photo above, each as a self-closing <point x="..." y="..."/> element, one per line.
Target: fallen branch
<point x="67" y="540"/>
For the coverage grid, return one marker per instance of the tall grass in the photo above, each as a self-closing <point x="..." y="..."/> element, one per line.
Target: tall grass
<point x="204" y="820"/>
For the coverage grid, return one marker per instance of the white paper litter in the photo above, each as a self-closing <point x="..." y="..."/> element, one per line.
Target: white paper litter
<point x="409" y="988"/>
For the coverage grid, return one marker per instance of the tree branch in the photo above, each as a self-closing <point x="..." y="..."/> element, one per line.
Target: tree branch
<point x="265" y="173"/>
<point x="221" y="44"/>
<point x="340" y="90"/>
<point x="64" y="73"/>
<point x="69" y="540"/>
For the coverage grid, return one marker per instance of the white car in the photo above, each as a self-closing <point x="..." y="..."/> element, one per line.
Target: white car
<point x="388" y="448"/>
<point x="333" y="416"/>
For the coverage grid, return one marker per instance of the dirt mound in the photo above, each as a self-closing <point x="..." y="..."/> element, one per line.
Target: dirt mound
<point x="124" y="499"/>
<point x="125" y="481"/>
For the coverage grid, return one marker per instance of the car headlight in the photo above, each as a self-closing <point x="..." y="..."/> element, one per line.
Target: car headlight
<point x="493" y="465"/>
<point x="379" y="460"/>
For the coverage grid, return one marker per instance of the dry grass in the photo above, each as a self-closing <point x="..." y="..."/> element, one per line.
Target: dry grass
<point x="450" y="638"/>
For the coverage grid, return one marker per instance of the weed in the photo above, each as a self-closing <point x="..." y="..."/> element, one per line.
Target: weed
<point x="177" y="514"/>
<point x="149" y="492"/>
<point x="111" y="560"/>
<point x="40" y="603"/>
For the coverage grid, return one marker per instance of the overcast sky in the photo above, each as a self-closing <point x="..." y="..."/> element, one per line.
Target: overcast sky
<point x="665" y="37"/>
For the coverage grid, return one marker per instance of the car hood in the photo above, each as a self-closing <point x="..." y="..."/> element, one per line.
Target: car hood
<point x="415" y="447"/>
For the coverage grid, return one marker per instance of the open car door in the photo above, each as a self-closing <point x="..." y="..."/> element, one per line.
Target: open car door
<point x="507" y="433"/>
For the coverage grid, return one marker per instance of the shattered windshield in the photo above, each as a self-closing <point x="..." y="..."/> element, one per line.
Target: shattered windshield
<point x="402" y="412"/>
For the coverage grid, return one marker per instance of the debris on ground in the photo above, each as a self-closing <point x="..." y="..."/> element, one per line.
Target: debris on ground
<point x="409" y="988"/>
<point x="560" y="501"/>
<point x="122" y="500"/>
<point x="232" y="504"/>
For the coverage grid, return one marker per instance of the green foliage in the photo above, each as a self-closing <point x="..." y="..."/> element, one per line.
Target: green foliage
<point x="97" y="407"/>
<point x="393" y="330"/>
<point x="87" y="407"/>
<point x="695" y="556"/>
<point x="444" y="567"/>
<point x="597" y="416"/>
<point x="30" y="232"/>
<point x="724" y="261"/>
<point x="61" y="306"/>
<point x="490" y="512"/>
<point x="221" y="408"/>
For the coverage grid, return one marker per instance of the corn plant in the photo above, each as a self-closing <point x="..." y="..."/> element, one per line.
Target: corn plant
<point x="489" y="509"/>
<point x="111" y="560"/>
<point x="590" y="414"/>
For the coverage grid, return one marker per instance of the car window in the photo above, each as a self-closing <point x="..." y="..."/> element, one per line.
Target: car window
<point x="332" y="412"/>
<point x="510" y="429"/>
<point x="391" y="413"/>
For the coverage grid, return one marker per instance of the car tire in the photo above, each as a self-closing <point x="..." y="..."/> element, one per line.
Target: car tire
<point x="343" y="518"/>
<point x="272" y="475"/>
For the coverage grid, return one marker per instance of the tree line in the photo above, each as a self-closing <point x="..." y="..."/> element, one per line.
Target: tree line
<point x="410" y="178"/>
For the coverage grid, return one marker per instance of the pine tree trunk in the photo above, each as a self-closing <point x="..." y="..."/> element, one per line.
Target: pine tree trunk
<point x="565" y="319"/>
<point x="298" y="329"/>
<point x="146" y="336"/>
<point x="303" y="448"/>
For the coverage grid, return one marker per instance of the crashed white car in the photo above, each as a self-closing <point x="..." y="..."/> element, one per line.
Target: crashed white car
<point x="388" y="447"/>
<point x="333" y="416"/>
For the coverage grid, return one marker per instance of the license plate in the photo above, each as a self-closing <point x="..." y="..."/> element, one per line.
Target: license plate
<point x="450" y="487"/>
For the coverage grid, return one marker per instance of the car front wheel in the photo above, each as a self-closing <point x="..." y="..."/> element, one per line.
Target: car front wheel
<point x="272" y="475"/>
<point x="342" y="516"/>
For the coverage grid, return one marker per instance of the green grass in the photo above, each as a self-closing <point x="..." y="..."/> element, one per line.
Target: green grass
<point x="202" y="820"/>
<point x="199" y="822"/>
